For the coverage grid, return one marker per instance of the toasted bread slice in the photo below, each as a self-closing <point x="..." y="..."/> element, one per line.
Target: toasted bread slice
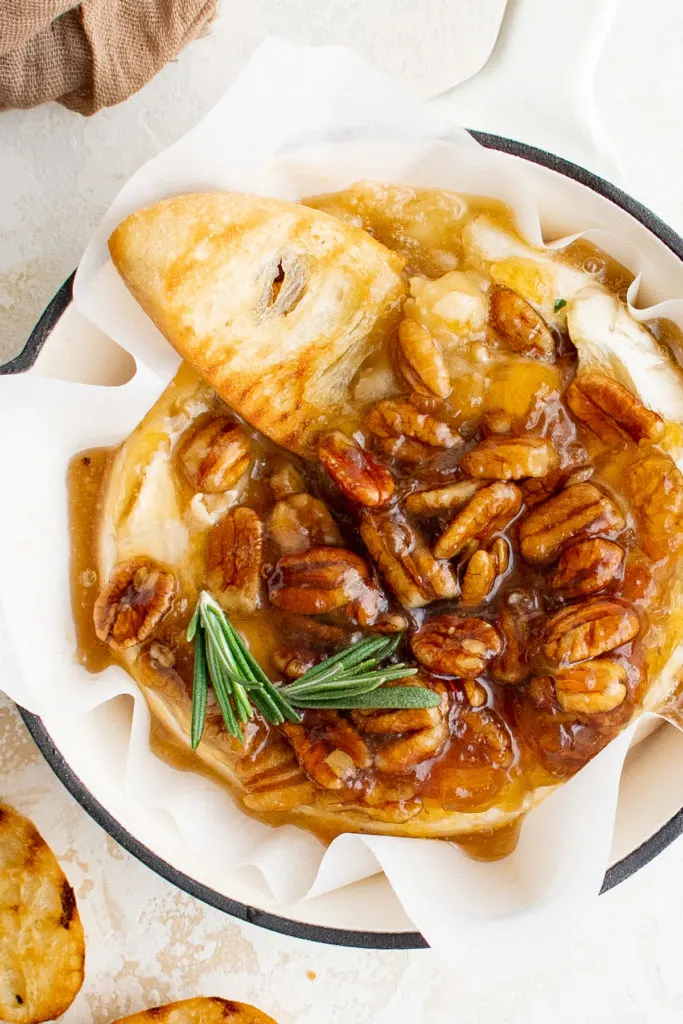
<point x="274" y="304"/>
<point x="201" y="1010"/>
<point x="42" y="948"/>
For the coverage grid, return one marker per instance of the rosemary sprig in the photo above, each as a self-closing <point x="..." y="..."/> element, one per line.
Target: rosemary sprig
<point x="349" y="679"/>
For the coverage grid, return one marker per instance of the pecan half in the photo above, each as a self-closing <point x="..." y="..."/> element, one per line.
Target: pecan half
<point x="420" y="359"/>
<point x="655" y="487"/>
<point x="510" y="666"/>
<point x="438" y="499"/>
<point x="579" y="511"/>
<point x="402" y="417"/>
<point x="214" y="457"/>
<point x="422" y="732"/>
<point x="234" y="554"/>
<point x="355" y="471"/>
<point x="480" y="576"/>
<point x="519" y="326"/>
<point x="300" y="522"/>
<point x="592" y="687"/>
<point x="455" y="646"/>
<point x="488" y="511"/>
<point x="510" y="458"/>
<point x="321" y="580"/>
<point x="586" y="630"/>
<point x="405" y="561"/>
<point x="137" y="596"/>
<point x="329" y="749"/>
<point x="482" y="572"/>
<point x="587" y="567"/>
<point x="611" y="410"/>
<point x="405" y="752"/>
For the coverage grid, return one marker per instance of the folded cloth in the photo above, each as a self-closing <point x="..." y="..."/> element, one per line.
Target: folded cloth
<point x="91" y="54"/>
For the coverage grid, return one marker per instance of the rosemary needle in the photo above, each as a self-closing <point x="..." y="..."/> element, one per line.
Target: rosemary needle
<point x="398" y="697"/>
<point x="221" y="688"/>
<point x="200" y="691"/>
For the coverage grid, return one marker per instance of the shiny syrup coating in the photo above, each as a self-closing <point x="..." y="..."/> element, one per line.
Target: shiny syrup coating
<point x="502" y="727"/>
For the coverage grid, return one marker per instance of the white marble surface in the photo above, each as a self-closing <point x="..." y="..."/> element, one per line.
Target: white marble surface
<point x="148" y="942"/>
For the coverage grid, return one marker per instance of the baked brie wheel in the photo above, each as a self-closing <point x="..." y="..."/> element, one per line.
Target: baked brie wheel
<point x="396" y="418"/>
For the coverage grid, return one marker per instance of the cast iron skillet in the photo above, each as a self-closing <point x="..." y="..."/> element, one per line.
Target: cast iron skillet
<point x="333" y="936"/>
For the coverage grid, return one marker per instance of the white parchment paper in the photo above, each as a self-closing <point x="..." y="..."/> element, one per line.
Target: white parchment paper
<point x="297" y="121"/>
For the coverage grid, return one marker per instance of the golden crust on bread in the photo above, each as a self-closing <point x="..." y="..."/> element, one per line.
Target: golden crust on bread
<point x="276" y="305"/>
<point x="42" y="948"/>
<point x="201" y="1010"/>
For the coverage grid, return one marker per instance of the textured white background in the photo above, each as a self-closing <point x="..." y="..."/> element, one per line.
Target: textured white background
<point x="148" y="942"/>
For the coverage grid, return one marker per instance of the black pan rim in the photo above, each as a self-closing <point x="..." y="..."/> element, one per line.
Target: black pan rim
<point x="615" y="874"/>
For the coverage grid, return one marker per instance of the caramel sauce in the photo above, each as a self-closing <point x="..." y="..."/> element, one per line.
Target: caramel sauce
<point x="544" y="745"/>
<point x="492" y="844"/>
<point x="583" y="255"/>
<point x="87" y="471"/>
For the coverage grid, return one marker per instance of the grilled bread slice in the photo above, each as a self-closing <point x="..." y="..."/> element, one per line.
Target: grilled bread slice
<point x="200" y="1010"/>
<point x="274" y="304"/>
<point x="42" y="948"/>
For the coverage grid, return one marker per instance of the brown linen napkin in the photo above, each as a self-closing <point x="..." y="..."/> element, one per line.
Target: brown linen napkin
<point x="92" y="54"/>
